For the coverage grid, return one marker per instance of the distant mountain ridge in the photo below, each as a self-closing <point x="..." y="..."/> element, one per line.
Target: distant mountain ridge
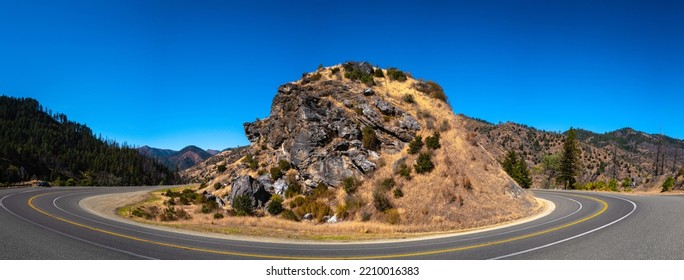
<point x="620" y="154"/>
<point x="36" y="144"/>
<point x="177" y="160"/>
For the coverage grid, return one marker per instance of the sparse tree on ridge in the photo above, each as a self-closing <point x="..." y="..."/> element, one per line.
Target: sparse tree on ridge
<point x="569" y="164"/>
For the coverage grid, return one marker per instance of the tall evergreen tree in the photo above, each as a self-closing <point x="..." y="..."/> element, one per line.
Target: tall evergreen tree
<point x="517" y="168"/>
<point x="570" y="164"/>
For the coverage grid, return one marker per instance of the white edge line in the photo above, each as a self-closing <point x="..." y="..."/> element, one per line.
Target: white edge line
<point x="68" y="235"/>
<point x="573" y="237"/>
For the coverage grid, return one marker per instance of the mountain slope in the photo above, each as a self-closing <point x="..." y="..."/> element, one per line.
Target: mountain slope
<point x="621" y="154"/>
<point x="176" y="160"/>
<point x="36" y="145"/>
<point x="337" y="141"/>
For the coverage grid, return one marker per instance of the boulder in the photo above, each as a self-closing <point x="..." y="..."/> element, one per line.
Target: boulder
<point x="246" y="185"/>
<point x="280" y="187"/>
<point x="363" y="164"/>
<point x="409" y="123"/>
<point x="385" y="107"/>
<point x="267" y="182"/>
<point x="368" y="92"/>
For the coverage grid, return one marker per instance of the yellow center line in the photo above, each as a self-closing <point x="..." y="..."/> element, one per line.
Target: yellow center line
<point x="388" y="256"/>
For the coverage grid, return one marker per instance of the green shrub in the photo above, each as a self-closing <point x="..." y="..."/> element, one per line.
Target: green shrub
<point x="368" y="80"/>
<point x="424" y="163"/>
<point x="396" y="74"/>
<point x="370" y="139"/>
<point x="251" y="162"/>
<point x="668" y="184"/>
<point x="242" y="205"/>
<point x="218" y="216"/>
<point x="284" y="165"/>
<point x="317" y="208"/>
<point x="387" y="184"/>
<point x="349" y="184"/>
<point x="276" y="173"/>
<point x="381" y="202"/>
<point x="287" y="214"/>
<point x="293" y="189"/>
<point x="432" y="142"/>
<point x="353" y="203"/>
<point x="404" y="171"/>
<point x="342" y="211"/>
<point x="378" y="73"/>
<point x="393" y="217"/>
<point x="276" y="205"/>
<point x="398" y="193"/>
<point x="218" y="186"/>
<point x="315" y="77"/>
<point x="297" y="201"/>
<point x="335" y="70"/>
<point x="221" y="168"/>
<point x="415" y="145"/>
<point x="408" y="98"/>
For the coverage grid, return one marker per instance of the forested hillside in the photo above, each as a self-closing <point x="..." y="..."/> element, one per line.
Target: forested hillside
<point x="36" y="144"/>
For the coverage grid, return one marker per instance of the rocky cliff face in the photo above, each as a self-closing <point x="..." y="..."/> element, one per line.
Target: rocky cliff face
<point x="319" y="129"/>
<point x="335" y="146"/>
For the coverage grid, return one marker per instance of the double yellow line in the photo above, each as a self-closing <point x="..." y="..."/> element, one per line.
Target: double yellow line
<point x="266" y="256"/>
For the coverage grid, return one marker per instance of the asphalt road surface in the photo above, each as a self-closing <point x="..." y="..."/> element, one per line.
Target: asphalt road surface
<point x="48" y="223"/>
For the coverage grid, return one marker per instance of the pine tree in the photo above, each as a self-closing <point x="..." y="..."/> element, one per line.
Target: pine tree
<point x="509" y="162"/>
<point x="523" y="174"/>
<point x="569" y="165"/>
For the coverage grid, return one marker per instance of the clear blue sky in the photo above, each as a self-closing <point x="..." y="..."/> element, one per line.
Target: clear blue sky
<point x="173" y="73"/>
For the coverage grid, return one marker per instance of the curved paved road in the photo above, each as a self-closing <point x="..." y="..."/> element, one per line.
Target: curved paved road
<point x="42" y="223"/>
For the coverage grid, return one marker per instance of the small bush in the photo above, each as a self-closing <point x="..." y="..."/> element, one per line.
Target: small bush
<point x="370" y="139"/>
<point x="297" y="201"/>
<point x="287" y="214"/>
<point x="387" y="184"/>
<point x="668" y="184"/>
<point x="315" y="77"/>
<point x="396" y="74"/>
<point x="368" y="80"/>
<point x="353" y="203"/>
<point x="218" y="216"/>
<point x="364" y="216"/>
<point x="398" y="193"/>
<point x="335" y="70"/>
<point x="209" y="205"/>
<point x="341" y="212"/>
<point x="221" y="168"/>
<point x="404" y="171"/>
<point x="218" y="186"/>
<point x="293" y="189"/>
<point x="349" y="184"/>
<point x="276" y="205"/>
<point x="408" y="98"/>
<point x="242" y="205"/>
<point x="432" y="142"/>
<point x="251" y="162"/>
<point x="415" y="145"/>
<point x="393" y="217"/>
<point x="284" y="165"/>
<point x="381" y="202"/>
<point x="276" y="173"/>
<point x="445" y="126"/>
<point x="317" y="208"/>
<point x="378" y="73"/>
<point x="424" y="163"/>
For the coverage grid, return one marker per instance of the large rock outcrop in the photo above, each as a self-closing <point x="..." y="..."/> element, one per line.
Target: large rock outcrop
<point x="319" y="128"/>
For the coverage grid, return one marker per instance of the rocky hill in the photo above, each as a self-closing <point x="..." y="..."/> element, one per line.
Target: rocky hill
<point x="176" y="160"/>
<point x="357" y="143"/>
<point x="621" y="154"/>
